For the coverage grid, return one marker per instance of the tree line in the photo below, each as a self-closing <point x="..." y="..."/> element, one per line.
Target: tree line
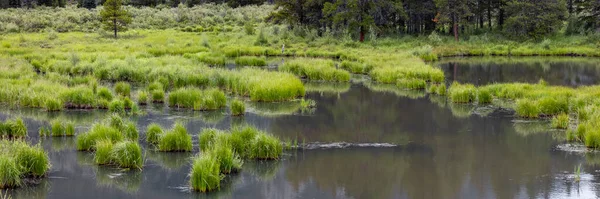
<point x="514" y="18"/>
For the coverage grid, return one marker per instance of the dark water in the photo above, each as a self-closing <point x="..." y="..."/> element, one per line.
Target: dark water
<point x="555" y="70"/>
<point x="443" y="151"/>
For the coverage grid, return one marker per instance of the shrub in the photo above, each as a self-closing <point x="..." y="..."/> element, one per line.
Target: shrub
<point x="560" y="121"/>
<point x="205" y="173"/>
<point x="237" y="107"/>
<point x="527" y="108"/>
<point x="177" y="139"/>
<point x="412" y="84"/>
<point x="462" y="93"/>
<point x="153" y="133"/>
<point x="123" y="88"/>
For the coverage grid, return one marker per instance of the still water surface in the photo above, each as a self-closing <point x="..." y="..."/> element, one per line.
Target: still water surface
<point x="442" y="150"/>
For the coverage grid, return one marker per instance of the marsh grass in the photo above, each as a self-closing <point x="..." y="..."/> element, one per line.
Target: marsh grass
<point x="13" y="129"/>
<point x="462" y="93"/>
<point x="527" y="108"/>
<point x="176" y="139"/>
<point x="315" y="69"/>
<point x="87" y="141"/>
<point x="124" y="154"/>
<point x="484" y="96"/>
<point x="153" y="133"/>
<point x="210" y="99"/>
<point x="20" y="160"/>
<point x="238" y="107"/>
<point x="123" y="89"/>
<point x="205" y="174"/>
<point x="265" y="146"/>
<point x="142" y="97"/>
<point x="158" y="96"/>
<point x="560" y="121"/>
<point x="229" y="162"/>
<point x="356" y="67"/>
<point x="250" y="61"/>
<point x="411" y="84"/>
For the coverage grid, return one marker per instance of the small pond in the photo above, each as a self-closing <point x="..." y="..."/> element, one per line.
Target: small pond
<point x="369" y="141"/>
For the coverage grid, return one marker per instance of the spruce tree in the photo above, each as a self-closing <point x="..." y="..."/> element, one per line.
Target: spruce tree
<point x="114" y="16"/>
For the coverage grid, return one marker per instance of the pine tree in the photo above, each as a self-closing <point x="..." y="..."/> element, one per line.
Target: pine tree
<point x="114" y="16"/>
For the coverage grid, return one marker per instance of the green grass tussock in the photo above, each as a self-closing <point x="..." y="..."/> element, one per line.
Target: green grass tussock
<point x="123" y="89"/>
<point x="20" y="160"/>
<point x="114" y="128"/>
<point x="462" y="93"/>
<point x="124" y="154"/>
<point x="13" y="129"/>
<point x="250" y="61"/>
<point x="315" y="69"/>
<point x="205" y="174"/>
<point x="142" y="97"/>
<point x="484" y="96"/>
<point x="60" y="128"/>
<point x="527" y="108"/>
<point x="197" y="99"/>
<point x="560" y="121"/>
<point x="237" y="107"/>
<point x="176" y="139"/>
<point x="154" y="133"/>
<point x="411" y="84"/>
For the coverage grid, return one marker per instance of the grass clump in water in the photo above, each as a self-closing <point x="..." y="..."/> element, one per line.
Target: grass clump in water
<point x="250" y="61"/>
<point x="177" y="139"/>
<point x="265" y="146"/>
<point x="62" y="129"/>
<point x="356" y="67"/>
<point x="13" y="129"/>
<point x="316" y="69"/>
<point x="527" y="108"/>
<point x="237" y="107"/>
<point x="18" y="160"/>
<point x="462" y="93"/>
<point x="124" y="154"/>
<point x="484" y="96"/>
<point x="158" y="96"/>
<point x="411" y="84"/>
<point x="205" y="174"/>
<point x="560" y="121"/>
<point x="142" y="97"/>
<point x="211" y="99"/>
<point x="53" y="105"/>
<point x="123" y="89"/>
<point x="228" y="161"/>
<point x="114" y="128"/>
<point x="153" y="133"/>
<point x="247" y="142"/>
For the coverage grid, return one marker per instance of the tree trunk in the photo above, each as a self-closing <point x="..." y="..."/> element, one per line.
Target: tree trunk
<point x="489" y="14"/>
<point x="500" y="16"/>
<point x="362" y="34"/>
<point x="480" y="12"/>
<point x="115" y="27"/>
<point x="455" y="27"/>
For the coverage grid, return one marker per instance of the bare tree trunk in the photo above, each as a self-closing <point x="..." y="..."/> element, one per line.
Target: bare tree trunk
<point x="455" y="27"/>
<point x="362" y="34"/>
<point x="115" y="27"/>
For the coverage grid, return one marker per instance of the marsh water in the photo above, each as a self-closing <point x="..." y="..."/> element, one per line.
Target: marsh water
<point x="367" y="141"/>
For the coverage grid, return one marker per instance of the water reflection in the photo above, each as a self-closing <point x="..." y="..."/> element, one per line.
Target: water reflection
<point x="567" y="71"/>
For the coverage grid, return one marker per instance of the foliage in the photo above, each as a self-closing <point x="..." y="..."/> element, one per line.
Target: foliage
<point x="114" y="17"/>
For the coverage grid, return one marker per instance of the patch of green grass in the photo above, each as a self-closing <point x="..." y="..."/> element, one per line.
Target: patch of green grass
<point x="104" y="93"/>
<point x="527" y="108"/>
<point x="19" y="160"/>
<point x="177" y="139"/>
<point x="484" y="96"/>
<point x="53" y="105"/>
<point x="205" y="174"/>
<point x="228" y="161"/>
<point x="553" y="105"/>
<point x="142" y="97"/>
<point x="237" y="107"/>
<point x="250" y="61"/>
<point x="265" y="146"/>
<point x="13" y="129"/>
<point x="211" y="59"/>
<point x="462" y="93"/>
<point x="79" y="98"/>
<point x="116" y="106"/>
<point x="127" y="154"/>
<point x="315" y="69"/>
<point x="208" y="138"/>
<point x="356" y="67"/>
<point x="411" y="84"/>
<point x="158" y="96"/>
<point x="10" y="174"/>
<point x="87" y="141"/>
<point x="123" y="89"/>
<point x="197" y="99"/>
<point x="153" y="133"/>
<point x="560" y="121"/>
<point x="103" y="152"/>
